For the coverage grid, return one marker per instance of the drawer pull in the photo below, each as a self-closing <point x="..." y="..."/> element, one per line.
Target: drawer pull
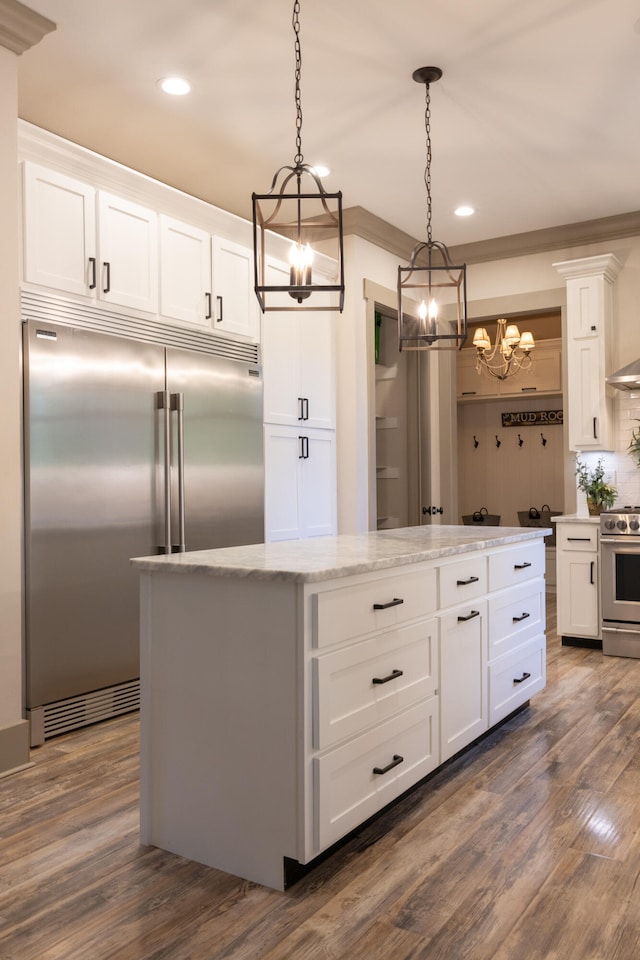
<point x="521" y="566"/>
<point x="523" y="617"/>
<point x="385" y="606"/>
<point x="394" y="763"/>
<point x="525" y="676"/>
<point x="392" y="676"/>
<point x="464" y="583"/>
<point x="474" y="613"/>
<point x="579" y="539"/>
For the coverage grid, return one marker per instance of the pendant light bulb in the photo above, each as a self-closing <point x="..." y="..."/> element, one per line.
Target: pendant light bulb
<point x="300" y="262"/>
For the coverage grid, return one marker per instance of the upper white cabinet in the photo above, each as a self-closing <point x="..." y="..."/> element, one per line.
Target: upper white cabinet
<point x="60" y="240"/>
<point x="185" y="272"/>
<point x="128" y="253"/>
<point x="235" y="305"/>
<point x="543" y="378"/>
<point x="299" y="369"/>
<point x="590" y="316"/>
<point x="89" y="242"/>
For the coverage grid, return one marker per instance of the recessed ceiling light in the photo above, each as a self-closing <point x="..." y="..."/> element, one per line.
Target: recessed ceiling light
<point x="176" y="86"/>
<point x="464" y="211"/>
<point x="320" y="170"/>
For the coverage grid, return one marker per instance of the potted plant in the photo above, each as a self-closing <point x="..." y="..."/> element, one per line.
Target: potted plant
<point x="600" y="495"/>
<point x="634" y="444"/>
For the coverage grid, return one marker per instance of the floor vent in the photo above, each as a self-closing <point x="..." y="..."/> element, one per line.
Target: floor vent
<point x="52" y="719"/>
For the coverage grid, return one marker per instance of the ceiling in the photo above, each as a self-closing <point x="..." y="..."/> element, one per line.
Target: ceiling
<point x="535" y="122"/>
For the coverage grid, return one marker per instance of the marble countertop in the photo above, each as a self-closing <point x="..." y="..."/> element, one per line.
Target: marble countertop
<point x="322" y="558"/>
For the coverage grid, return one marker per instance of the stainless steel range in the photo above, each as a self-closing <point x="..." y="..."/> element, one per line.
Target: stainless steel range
<point x="620" y="581"/>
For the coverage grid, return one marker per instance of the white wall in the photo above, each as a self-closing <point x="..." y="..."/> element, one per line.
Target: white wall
<point x="13" y="729"/>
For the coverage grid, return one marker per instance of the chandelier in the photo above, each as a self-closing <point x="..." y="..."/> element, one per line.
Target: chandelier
<point x="511" y="351"/>
<point x="432" y="292"/>
<point x="298" y="207"/>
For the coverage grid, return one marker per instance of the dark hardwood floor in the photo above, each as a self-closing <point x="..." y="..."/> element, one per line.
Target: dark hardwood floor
<point x="525" y="847"/>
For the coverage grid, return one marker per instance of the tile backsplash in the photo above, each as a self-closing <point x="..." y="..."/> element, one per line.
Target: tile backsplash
<point x="623" y="467"/>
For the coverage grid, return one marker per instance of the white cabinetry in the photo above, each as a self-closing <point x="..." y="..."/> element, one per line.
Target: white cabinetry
<point x="185" y="272"/>
<point x="543" y="379"/>
<point x="326" y="698"/>
<point x="590" y="316"/>
<point x="299" y="413"/>
<point x="577" y="576"/>
<point x="235" y="304"/>
<point x="89" y="242"/>
<point x="300" y="482"/>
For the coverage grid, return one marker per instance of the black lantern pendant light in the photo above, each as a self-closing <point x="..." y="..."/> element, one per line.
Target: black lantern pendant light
<point x="432" y="292"/>
<point x="298" y="207"/>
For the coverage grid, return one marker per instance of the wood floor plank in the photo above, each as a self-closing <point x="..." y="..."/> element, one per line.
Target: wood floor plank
<point x="526" y="846"/>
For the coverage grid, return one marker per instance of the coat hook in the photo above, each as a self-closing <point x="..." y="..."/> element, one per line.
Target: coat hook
<point x="544" y="440"/>
<point x="475" y="441"/>
<point x="498" y="442"/>
<point x="520" y="440"/>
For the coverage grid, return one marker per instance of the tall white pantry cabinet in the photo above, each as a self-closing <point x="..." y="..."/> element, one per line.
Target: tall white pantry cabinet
<point x="299" y="414"/>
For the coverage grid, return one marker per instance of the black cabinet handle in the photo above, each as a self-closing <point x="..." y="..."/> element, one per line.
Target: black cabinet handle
<point x="305" y="408"/>
<point x="220" y="316"/>
<point x="521" y="566"/>
<point x="523" y="617"/>
<point x="208" y="314"/>
<point x="304" y="448"/>
<point x="392" y="676"/>
<point x="385" y="606"/>
<point x="592" y="566"/>
<point x="595" y="428"/>
<point x="300" y="408"/>
<point x="464" y="583"/>
<point x="92" y="262"/>
<point x="579" y="539"/>
<point x="394" y="763"/>
<point x="107" y="268"/>
<point x="474" y="613"/>
<point x="525" y="676"/>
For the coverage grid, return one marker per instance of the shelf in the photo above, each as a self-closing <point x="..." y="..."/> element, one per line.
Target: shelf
<point x="387" y="473"/>
<point x="387" y="523"/>
<point x="386" y="423"/>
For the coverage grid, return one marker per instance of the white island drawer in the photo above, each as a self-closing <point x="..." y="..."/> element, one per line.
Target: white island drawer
<point x="361" y="684"/>
<point x="462" y="580"/>
<point x="356" y="780"/>
<point x="515" y="615"/>
<point x="354" y="611"/>
<point x="516" y="677"/>
<point x="507" y="567"/>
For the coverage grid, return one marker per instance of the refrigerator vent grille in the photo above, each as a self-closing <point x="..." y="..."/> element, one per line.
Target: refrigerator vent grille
<point x="65" y="715"/>
<point x="149" y="329"/>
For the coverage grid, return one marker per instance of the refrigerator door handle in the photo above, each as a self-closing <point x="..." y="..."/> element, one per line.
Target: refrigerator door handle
<point x="164" y="404"/>
<point x="177" y="404"/>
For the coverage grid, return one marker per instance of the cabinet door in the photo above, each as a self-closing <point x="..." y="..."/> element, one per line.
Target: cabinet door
<point x="236" y="308"/>
<point x="472" y="384"/>
<point x="588" y="415"/>
<point x="282" y="449"/>
<point x="128" y="242"/>
<point x="298" y="362"/>
<point x="59" y="231"/>
<point x="185" y="272"/>
<point x="577" y="591"/>
<point x="317" y="485"/>
<point x="463" y="677"/>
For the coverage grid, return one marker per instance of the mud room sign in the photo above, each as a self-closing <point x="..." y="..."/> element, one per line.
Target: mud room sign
<point x="532" y="418"/>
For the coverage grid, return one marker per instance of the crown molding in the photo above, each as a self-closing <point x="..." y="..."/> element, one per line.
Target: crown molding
<point x="21" y="27"/>
<point x="359" y="222"/>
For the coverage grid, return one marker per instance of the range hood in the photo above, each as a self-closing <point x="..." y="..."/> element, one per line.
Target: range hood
<point x="627" y="378"/>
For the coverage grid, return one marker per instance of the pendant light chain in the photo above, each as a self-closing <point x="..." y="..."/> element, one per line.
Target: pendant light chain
<point x="427" y="170"/>
<point x="298" y="159"/>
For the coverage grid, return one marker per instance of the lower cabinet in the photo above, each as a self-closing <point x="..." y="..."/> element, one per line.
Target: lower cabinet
<point x="298" y="709"/>
<point x="577" y="581"/>
<point x="300" y="483"/>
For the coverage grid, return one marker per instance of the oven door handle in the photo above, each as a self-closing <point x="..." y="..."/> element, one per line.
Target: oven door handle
<point x="608" y="629"/>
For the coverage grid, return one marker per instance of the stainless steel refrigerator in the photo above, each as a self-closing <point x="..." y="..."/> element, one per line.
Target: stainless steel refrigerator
<point x="131" y="448"/>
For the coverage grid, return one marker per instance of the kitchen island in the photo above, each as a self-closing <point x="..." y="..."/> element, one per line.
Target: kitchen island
<point x="290" y="691"/>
